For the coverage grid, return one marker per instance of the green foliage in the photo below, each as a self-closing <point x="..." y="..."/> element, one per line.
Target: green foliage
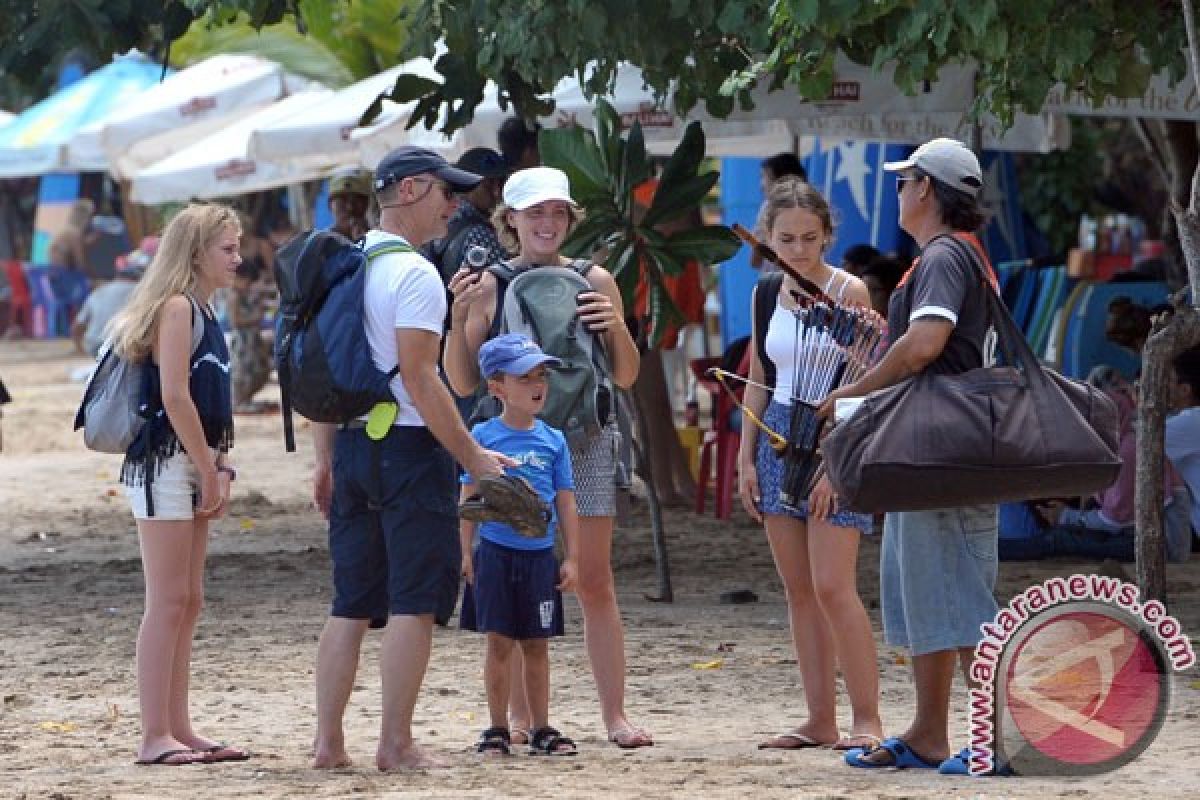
<point x="1057" y="188"/>
<point x="604" y="167"/>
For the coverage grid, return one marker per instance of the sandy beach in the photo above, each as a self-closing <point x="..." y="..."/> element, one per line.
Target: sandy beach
<point x="710" y="680"/>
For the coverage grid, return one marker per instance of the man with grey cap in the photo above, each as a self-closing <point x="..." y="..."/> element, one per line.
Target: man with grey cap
<point x="393" y="524"/>
<point x="937" y="568"/>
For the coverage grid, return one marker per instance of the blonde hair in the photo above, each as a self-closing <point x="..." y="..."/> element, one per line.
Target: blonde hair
<point x="508" y="234"/>
<point x="172" y="272"/>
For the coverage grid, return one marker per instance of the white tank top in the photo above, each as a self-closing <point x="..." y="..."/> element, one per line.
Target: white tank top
<point x="785" y="350"/>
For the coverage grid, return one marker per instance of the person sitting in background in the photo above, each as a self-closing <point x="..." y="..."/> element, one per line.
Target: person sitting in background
<point x="1127" y="324"/>
<point x="1105" y="529"/>
<point x="68" y="247"/>
<point x="106" y="300"/>
<point x="349" y="200"/>
<point x="780" y="165"/>
<point x="1182" y="442"/>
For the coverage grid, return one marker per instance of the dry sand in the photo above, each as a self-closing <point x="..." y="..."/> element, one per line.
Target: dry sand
<point x="70" y="602"/>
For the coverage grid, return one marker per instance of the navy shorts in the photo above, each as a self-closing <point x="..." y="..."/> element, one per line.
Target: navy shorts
<point x="393" y="526"/>
<point x="513" y="593"/>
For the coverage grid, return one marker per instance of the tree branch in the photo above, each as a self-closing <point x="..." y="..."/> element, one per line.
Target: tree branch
<point x="1189" y="23"/>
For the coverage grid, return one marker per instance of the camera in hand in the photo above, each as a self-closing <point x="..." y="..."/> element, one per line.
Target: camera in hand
<point x="476" y="258"/>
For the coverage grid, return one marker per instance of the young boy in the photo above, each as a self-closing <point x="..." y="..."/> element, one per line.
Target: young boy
<point x="513" y="581"/>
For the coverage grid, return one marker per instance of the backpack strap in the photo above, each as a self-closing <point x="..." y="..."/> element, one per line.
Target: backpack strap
<point x="504" y="272"/>
<point x="766" y="295"/>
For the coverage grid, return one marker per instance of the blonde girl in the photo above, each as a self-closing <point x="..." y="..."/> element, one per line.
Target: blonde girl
<point x="176" y="474"/>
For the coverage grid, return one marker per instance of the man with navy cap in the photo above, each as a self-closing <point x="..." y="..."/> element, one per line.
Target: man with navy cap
<point x="393" y="524"/>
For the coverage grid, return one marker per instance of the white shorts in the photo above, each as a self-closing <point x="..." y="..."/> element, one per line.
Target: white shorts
<point x="176" y="490"/>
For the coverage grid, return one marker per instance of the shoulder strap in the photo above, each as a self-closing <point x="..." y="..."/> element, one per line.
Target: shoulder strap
<point x="504" y="272"/>
<point x="198" y="318"/>
<point x="387" y="248"/>
<point x="765" y="298"/>
<point x="582" y="266"/>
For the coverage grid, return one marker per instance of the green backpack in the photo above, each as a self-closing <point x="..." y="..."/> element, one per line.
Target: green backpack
<point x="540" y="302"/>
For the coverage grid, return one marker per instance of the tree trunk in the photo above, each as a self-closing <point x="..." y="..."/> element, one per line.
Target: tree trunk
<point x="665" y="457"/>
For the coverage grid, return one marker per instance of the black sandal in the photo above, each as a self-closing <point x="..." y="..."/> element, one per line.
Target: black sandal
<point x="549" y="742"/>
<point x="494" y="741"/>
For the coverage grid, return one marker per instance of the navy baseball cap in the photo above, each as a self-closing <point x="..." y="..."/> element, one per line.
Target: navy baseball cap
<point x="406" y="161"/>
<point x="484" y="161"/>
<point x="512" y="354"/>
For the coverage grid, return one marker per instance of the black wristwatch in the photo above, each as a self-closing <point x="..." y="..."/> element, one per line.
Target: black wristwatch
<point x="228" y="470"/>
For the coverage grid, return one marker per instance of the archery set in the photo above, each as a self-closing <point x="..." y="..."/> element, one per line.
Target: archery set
<point x="835" y="344"/>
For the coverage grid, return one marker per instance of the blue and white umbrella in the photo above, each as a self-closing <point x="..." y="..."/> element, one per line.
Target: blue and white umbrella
<point x="34" y="143"/>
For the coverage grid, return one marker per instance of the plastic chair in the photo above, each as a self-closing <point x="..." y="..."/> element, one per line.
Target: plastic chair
<point x="723" y="438"/>
<point x="20" y="314"/>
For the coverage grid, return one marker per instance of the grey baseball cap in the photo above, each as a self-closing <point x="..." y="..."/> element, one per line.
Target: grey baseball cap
<point x="948" y="160"/>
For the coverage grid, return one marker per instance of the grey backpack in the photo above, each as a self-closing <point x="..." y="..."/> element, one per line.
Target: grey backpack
<point x="108" y="413"/>
<point x="541" y="303"/>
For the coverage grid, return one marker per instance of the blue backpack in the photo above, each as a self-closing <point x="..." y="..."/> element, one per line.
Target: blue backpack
<point x="324" y="363"/>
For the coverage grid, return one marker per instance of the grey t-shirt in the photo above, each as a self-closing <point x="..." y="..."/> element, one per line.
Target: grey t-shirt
<point x="946" y="284"/>
<point x="99" y="308"/>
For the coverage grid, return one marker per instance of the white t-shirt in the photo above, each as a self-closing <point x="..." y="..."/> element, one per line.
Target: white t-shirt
<point x="403" y="291"/>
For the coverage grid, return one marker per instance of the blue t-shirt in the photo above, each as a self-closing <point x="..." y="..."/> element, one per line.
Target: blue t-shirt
<point x="544" y="462"/>
<point x="1182" y="444"/>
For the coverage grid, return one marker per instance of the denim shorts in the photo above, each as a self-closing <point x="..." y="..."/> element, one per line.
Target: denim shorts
<point x="514" y="593"/>
<point x="770" y="477"/>
<point x="175" y="489"/>
<point x="393" y="526"/>
<point x="937" y="570"/>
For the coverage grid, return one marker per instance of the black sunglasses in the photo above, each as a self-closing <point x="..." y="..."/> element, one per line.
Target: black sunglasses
<point x="903" y="179"/>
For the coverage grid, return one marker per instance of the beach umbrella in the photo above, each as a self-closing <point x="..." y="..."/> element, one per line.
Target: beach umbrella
<point x="6" y="117"/>
<point x="324" y="132"/>
<point x="221" y="88"/>
<point x="34" y="142"/>
<point x="221" y="165"/>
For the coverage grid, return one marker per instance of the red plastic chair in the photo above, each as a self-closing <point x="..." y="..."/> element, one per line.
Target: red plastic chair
<point x="722" y="437"/>
<point x="21" y="301"/>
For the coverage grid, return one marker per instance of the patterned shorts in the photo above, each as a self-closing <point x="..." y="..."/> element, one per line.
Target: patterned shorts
<point x="770" y="477"/>
<point x="594" y="464"/>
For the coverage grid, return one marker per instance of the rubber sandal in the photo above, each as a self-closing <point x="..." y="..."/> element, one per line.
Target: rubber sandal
<point x="794" y="741"/>
<point x="494" y="741"/>
<point x="218" y="753"/>
<point x="903" y="756"/>
<point x="549" y="742"/>
<point x="875" y="742"/>
<point x="960" y="764"/>
<point x="163" y="758"/>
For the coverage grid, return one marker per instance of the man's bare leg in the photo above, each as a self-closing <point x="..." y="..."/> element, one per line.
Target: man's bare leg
<point x="403" y="659"/>
<point x="928" y="735"/>
<point x="337" y="664"/>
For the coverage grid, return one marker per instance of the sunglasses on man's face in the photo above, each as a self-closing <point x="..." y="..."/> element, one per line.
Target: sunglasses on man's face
<point x="903" y="179"/>
<point x="446" y="189"/>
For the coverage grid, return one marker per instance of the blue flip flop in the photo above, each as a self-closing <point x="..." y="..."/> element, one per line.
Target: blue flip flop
<point x="960" y="764"/>
<point x="957" y="764"/>
<point x="903" y="756"/>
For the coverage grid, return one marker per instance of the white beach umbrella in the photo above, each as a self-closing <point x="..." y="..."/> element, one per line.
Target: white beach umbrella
<point x="182" y="107"/>
<point x="325" y="131"/>
<point x="221" y="165"/>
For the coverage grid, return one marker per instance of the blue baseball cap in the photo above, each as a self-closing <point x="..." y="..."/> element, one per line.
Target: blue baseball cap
<point x="512" y="354"/>
<point x="409" y="160"/>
